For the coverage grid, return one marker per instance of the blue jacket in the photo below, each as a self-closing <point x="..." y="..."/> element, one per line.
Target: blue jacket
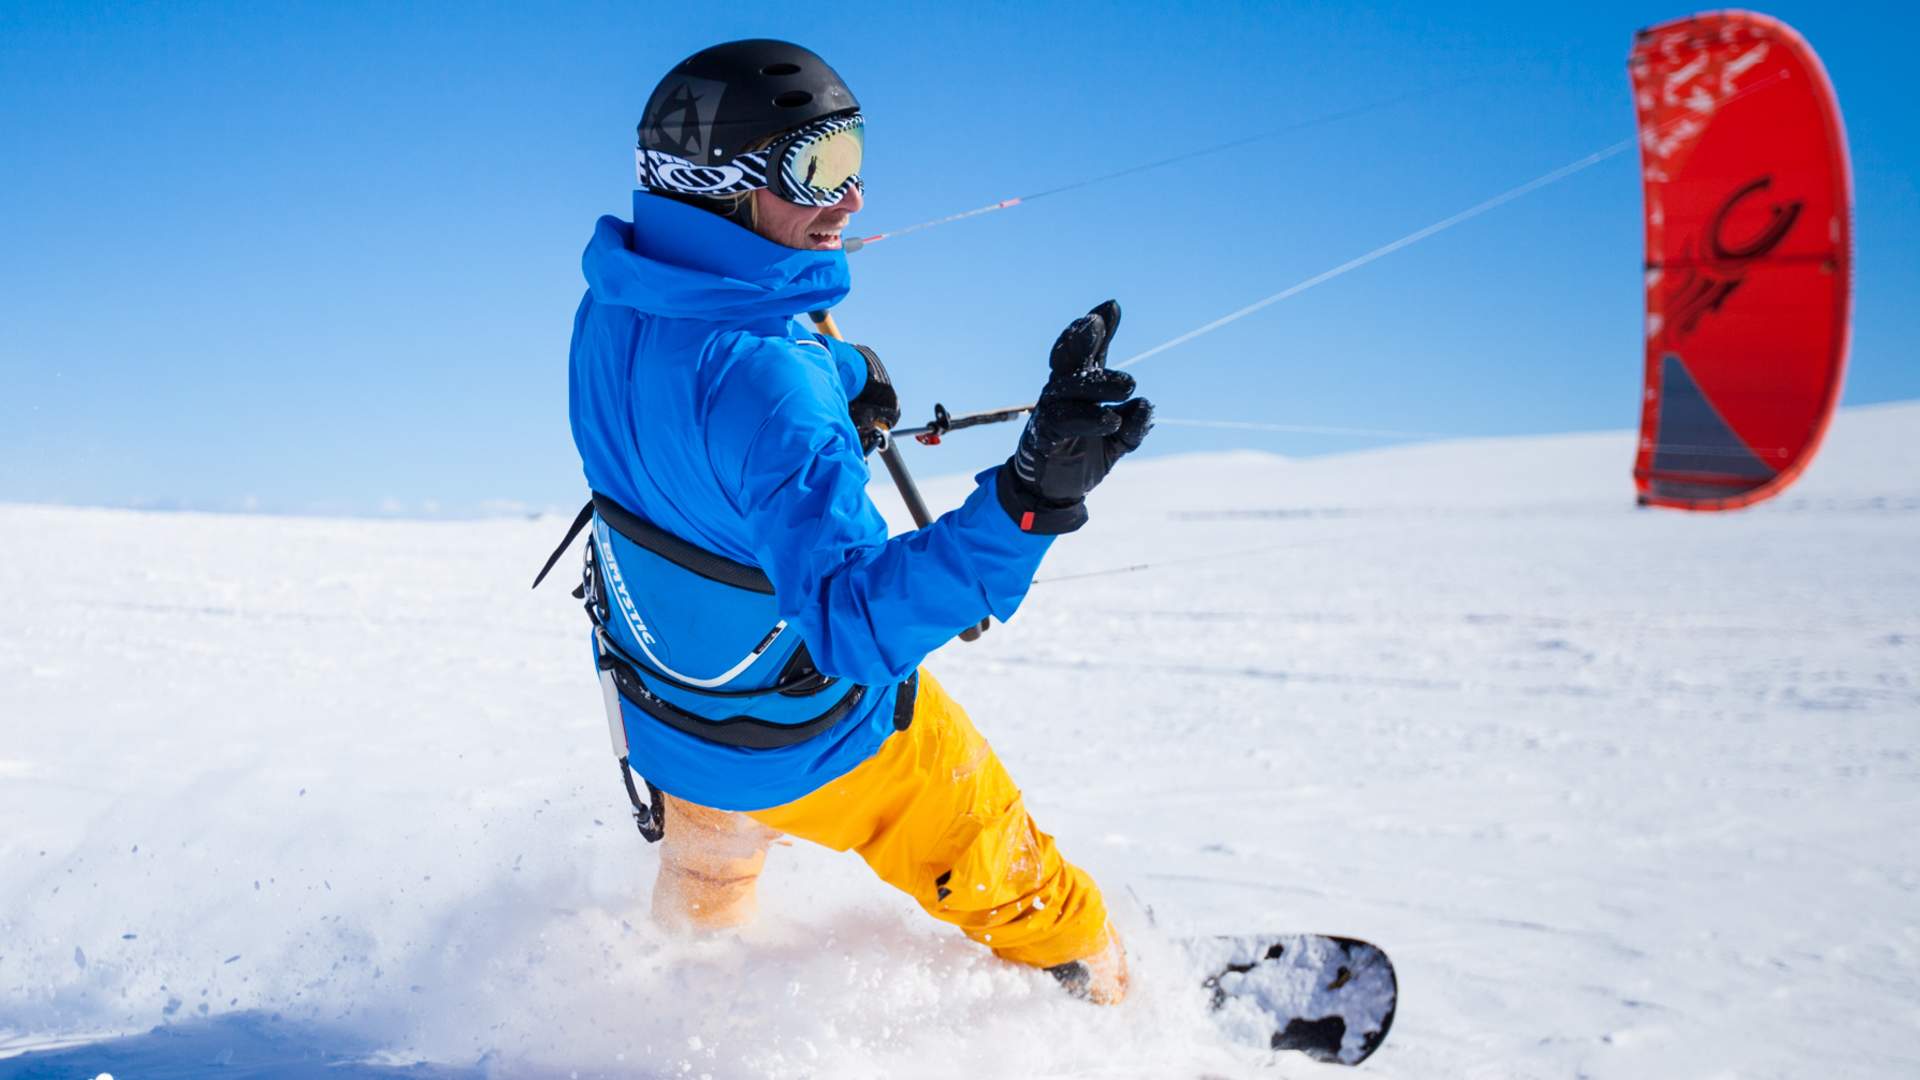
<point x="702" y="405"/>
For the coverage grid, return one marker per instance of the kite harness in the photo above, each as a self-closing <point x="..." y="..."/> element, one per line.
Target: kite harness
<point x="694" y="641"/>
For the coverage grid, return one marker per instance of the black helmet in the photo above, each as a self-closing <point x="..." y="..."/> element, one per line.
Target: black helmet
<point x="723" y="99"/>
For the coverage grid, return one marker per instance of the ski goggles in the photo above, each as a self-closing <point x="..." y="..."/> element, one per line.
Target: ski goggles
<point x="813" y="165"/>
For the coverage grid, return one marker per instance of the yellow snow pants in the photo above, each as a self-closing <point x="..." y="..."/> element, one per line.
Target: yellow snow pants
<point x="936" y="816"/>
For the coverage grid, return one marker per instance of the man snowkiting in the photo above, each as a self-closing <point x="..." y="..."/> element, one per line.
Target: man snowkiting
<point x="758" y="634"/>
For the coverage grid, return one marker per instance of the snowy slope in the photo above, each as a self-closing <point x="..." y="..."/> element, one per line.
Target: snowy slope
<point x="1626" y="793"/>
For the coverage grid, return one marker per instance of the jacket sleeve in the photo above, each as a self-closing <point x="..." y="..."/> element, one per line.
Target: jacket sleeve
<point x="869" y="608"/>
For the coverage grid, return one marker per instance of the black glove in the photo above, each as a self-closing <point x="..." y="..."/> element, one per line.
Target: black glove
<point x="876" y="407"/>
<point x="1072" y="438"/>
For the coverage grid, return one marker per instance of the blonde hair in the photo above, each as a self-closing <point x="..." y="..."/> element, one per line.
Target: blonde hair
<point x="737" y="207"/>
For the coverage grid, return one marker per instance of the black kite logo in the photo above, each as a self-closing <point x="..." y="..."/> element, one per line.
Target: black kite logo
<point x="1709" y="282"/>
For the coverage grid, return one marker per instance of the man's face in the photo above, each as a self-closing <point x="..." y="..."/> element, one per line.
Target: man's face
<point x="809" y="228"/>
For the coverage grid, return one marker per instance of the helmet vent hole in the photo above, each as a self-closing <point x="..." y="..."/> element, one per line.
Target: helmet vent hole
<point x="780" y="69"/>
<point x="793" y="99"/>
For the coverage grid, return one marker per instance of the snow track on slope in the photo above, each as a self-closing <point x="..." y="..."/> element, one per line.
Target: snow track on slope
<point x="1624" y="793"/>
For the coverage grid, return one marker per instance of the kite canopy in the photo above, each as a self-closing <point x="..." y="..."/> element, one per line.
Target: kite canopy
<point x="1749" y="258"/>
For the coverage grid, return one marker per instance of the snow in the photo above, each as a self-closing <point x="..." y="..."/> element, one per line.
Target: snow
<point x="1625" y="793"/>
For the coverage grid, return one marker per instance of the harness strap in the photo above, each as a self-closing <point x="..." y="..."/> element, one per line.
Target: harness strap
<point x="686" y="556"/>
<point x="747" y="732"/>
<point x="650" y="817"/>
<point x="579" y="522"/>
<point x="679" y="552"/>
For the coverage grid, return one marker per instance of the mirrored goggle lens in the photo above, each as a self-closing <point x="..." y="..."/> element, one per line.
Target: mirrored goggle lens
<point x="823" y="167"/>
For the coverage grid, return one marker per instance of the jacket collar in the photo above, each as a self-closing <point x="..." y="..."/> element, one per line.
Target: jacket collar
<point x="683" y="262"/>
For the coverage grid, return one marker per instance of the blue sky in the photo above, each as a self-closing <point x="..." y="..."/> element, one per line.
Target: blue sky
<point x="324" y="257"/>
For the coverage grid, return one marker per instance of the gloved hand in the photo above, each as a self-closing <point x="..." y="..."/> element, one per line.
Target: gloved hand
<point x="876" y="406"/>
<point x="1073" y="437"/>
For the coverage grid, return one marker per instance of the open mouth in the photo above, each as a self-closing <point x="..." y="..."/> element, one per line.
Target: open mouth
<point x="825" y="240"/>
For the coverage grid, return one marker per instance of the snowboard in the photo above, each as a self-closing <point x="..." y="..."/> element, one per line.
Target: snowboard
<point x="1330" y="998"/>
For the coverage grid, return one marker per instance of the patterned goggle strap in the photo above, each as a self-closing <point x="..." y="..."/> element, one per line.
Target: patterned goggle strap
<point x="660" y="171"/>
<point x="818" y="163"/>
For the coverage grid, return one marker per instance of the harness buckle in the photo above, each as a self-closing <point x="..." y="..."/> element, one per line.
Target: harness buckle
<point x="650" y="818"/>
